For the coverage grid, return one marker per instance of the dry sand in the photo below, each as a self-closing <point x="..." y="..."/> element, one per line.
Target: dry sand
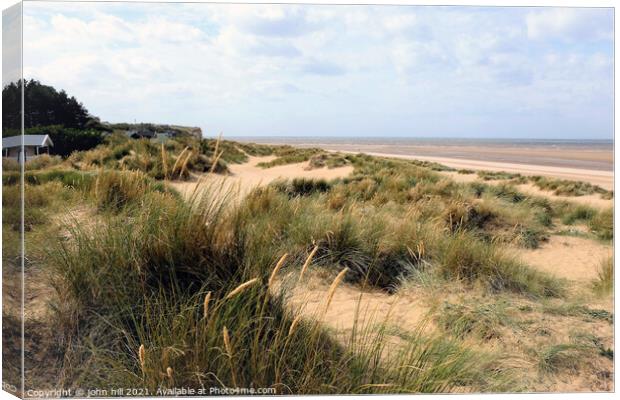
<point x="247" y="176"/>
<point x="568" y="257"/>
<point x="353" y="307"/>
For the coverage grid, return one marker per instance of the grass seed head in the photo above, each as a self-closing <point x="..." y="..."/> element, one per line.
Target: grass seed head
<point x="334" y="286"/>
<point x="274" y="273"/>
<point x="307" y="262"/>
<point x="227" y="345"/>
<point x="142" y="356"/>
<point x="205" y="305"/>
<point x="241" y="288"/>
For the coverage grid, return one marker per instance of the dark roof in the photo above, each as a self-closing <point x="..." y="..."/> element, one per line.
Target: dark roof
<point x="29" y="140"/>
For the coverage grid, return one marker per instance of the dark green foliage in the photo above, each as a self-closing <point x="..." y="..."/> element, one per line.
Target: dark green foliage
<point x="44" y="106"/>
<point x="68" y="140"/>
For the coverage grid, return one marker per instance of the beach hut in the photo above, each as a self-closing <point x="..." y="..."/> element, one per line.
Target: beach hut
<point x="34" y="145"/>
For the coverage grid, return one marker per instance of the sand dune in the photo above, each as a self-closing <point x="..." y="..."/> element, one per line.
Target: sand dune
<point x="247" y="176"/>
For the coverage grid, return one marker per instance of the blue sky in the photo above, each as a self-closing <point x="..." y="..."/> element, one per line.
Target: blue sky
<point x="296" y="70"/>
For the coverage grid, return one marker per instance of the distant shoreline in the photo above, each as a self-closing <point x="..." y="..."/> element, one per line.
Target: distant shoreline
<point x="595" y="155"/>
<point x="588" y="161"/>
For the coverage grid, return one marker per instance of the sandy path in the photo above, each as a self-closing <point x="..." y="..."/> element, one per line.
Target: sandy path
<point x="604" y="179"/>
<point x="568" y="257"/>
<point x="593" y="200"/>
<point x="247" y="176"/>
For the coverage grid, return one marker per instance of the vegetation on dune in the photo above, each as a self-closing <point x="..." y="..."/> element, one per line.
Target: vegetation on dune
<point x="329" y="160"/>
<point x="562" y="187"/>
<point x="166" y="292"/>
<point x="174" y="159"/>
<point x="501" y="175"/>
<point x="559" y="187"/>
<point x="192" y="306"/>
<point x="289" y="155"/>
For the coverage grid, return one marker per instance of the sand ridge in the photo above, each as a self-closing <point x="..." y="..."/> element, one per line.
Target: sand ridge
<point x="247" y="176"/>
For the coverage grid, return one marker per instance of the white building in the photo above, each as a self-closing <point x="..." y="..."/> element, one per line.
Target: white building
<point x="34" y="145"/>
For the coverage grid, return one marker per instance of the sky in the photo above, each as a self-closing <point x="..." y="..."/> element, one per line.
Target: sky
<point x="357" y="71"/>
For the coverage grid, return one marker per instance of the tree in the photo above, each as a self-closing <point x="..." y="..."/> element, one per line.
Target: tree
<point x="43" y="106"/>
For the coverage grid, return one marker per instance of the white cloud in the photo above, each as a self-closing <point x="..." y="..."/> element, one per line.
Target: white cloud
<point x="570" y="24"/>
<point x="260" y="68"/>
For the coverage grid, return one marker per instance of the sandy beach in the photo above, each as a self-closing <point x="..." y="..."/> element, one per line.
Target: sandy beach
<point x="588" y="162"/>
